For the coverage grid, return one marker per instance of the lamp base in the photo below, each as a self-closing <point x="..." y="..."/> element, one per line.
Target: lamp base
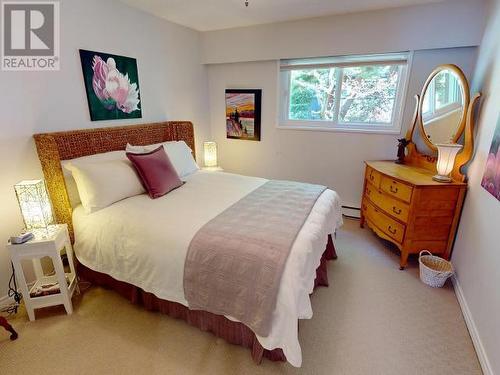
<point x="440" y="178"/>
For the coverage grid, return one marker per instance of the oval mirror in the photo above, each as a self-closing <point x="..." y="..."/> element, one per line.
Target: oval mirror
<point x="444" y="102"/>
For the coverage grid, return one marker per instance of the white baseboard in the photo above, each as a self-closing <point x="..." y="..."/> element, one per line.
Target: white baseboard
<point x="6" y="300"/>
<point x="471" y="326"/>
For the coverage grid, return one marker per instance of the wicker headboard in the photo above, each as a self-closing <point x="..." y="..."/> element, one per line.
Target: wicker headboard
<point x="54" y="147"/>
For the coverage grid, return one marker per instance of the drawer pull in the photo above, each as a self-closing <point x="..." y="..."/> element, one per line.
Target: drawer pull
<point x="397" y="211"/>
<point x="393" y="189"/>
<point x="392" y="230"/>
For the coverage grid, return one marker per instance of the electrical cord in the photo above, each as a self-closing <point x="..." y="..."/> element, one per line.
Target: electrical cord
<point x="13" y="286"/>
<point x="13" y="293"/>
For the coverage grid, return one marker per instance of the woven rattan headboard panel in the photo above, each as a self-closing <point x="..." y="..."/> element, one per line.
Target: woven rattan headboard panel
<point x="54" y="147"/>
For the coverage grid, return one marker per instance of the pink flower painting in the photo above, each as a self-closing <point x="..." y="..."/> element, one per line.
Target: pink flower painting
<point x="491" y="177"/>
<point x="112" y="85"/>
<point x="113" y="88"/>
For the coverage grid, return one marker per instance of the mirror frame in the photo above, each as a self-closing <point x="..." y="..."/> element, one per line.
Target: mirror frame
<point x="466" y="95"/>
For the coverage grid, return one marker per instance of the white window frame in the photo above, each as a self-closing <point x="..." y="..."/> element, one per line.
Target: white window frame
<point x="435" y="113"/>
<point x="286" y="66"/>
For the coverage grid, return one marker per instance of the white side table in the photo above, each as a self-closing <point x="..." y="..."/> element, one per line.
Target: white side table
<point x="42" y="246"/>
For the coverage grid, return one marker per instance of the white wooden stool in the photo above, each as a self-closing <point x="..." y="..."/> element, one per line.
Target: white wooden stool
<point x="46" y="245"/>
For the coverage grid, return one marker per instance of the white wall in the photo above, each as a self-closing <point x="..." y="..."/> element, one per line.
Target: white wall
<point x="477" y="251"/>
<point x="172" y="82"/>
<point x="453" y="23"/>
<point x="331" y="158"/>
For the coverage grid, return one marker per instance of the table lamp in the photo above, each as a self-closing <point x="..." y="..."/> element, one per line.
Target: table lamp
<point x="446" y="160"/>
<point x="210" y="154"/>
<point x="34" y="203"/>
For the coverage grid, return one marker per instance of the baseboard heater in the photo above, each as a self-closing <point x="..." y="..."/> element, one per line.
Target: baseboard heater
<point x="351" y="212"/>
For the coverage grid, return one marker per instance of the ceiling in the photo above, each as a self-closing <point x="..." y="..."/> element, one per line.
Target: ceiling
<point x="205" y="15"/>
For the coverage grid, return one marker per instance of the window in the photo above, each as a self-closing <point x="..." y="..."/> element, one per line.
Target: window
<point x="352" y="93"/>
<point x="443" y="96"/>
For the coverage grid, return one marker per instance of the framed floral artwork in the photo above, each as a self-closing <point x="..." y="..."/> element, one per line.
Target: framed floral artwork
<point x="491" y="177"/>
<point x="243" y="114"/>
<point x="112" y="86"/>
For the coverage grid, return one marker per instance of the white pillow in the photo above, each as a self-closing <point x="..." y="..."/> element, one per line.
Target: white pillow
<point x="181" y="157"/>
<point x="102" y="183"/>
<point x="72" y="189"/>
<point x="178" y="152"/>
<point x="142" y="149"/>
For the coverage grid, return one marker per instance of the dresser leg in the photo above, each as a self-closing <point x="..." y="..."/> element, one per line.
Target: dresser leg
<point x="403" y="262"/>
<point x="362" y="221"/>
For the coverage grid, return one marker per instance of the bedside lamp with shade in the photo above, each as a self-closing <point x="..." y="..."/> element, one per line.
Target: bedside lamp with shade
<point x="447" y="153"/>
<point x="210" y="154"/>
<point x="35" y="204"/>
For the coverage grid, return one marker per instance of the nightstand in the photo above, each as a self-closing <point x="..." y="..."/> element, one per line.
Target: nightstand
<point x="46" y="244"/>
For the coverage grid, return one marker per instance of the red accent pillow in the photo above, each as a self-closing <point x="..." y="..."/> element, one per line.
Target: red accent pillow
<point x="156" y="171"/>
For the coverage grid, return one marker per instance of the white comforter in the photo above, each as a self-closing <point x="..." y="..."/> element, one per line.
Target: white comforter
<point x="144" y="242"/>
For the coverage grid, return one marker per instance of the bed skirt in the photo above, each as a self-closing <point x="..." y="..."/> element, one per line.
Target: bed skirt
<point x="233" y="332"/>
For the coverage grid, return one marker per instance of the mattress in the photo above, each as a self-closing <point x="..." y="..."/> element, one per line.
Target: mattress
<point x="144" y="242"/>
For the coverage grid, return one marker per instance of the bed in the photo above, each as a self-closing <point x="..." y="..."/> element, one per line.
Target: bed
<point x="138" y="246"/>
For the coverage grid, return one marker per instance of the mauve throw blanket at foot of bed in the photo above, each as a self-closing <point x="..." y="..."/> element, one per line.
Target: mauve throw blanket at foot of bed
<point x="235" y="262"/>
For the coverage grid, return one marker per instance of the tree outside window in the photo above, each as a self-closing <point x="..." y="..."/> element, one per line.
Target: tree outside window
<point x="347" y="92"/>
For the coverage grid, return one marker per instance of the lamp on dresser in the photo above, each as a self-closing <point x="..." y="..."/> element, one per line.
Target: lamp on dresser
<point x="447" y="153"/>
<point x="409" y="204"/>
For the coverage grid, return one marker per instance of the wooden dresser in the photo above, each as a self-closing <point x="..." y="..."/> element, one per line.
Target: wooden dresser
<point x="404" y="205"/>
<point x="401" y="202"/>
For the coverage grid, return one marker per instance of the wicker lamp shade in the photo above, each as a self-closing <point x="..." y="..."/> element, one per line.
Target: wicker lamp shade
<point x="210" y="154"/>
<point x="34" y="204"/>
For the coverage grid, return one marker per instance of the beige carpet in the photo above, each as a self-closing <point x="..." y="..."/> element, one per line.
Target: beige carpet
<point x="373" y="319"/>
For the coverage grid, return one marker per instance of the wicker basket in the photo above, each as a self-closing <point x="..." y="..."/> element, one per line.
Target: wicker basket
<point x="434" y="271"/>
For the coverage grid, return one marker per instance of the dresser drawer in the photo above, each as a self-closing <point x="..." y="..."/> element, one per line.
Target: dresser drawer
<point x="396" y="189"/>
<point x="385" y="223"/>
<point x="393" y="207"/>
<point x="373" y="177"/>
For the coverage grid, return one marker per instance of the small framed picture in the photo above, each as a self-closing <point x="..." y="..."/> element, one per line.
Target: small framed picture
<point x="243" y="114"/>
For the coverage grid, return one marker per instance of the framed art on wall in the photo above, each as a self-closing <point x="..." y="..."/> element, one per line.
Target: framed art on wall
<point x="491" y="177"/>
<point x="243" y="114"/>
<point x="112" y="86"/>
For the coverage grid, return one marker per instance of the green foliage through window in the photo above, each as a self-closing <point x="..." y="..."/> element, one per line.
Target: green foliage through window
<point x="363" y="94"/>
